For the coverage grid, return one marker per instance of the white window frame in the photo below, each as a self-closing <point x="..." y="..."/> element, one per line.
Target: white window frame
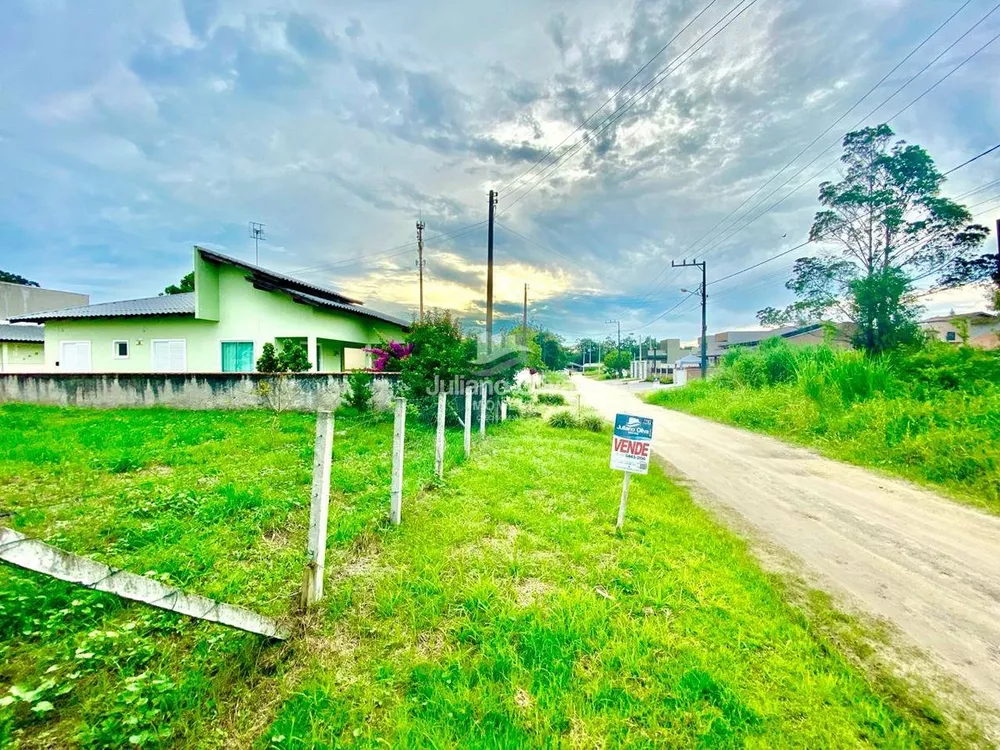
<point x="152" y="354"/>
<point x="90" y="355"/>
<point x="114" y="349"/>
<point x="252" y="342"/>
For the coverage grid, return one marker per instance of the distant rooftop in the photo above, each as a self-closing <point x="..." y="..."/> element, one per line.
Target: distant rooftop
<point x="167" y="304"/>
<point x="979" y="314"/>
<point x="33" y="334"/>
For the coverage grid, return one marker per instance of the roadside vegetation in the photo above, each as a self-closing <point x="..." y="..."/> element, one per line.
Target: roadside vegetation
<point x="504" y="612"/>
<point x="930" y="414"/>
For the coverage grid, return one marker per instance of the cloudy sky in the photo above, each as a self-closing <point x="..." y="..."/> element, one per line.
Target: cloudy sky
<point x="131" y="131"/>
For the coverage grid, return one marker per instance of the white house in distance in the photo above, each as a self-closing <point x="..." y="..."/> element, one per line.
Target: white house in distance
<point x="222" y="326"/>
<point x="22" y="345"/>
<point x="983" y="329"/>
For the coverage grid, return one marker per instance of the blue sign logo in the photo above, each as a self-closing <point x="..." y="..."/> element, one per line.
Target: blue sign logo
<point x="636" y="428"/>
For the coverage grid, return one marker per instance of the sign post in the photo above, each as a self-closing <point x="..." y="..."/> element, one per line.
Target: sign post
<point x="630" y="449"/>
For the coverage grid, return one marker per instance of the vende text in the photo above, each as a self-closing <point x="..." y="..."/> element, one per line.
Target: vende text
<point x="632" y="447"/>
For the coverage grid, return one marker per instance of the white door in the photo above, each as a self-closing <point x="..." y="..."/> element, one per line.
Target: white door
<point x="169" y="355"/>
<point x="74" y="356"/>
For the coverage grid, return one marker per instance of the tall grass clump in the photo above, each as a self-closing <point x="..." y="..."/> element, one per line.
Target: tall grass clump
<point x="930" y="414"/>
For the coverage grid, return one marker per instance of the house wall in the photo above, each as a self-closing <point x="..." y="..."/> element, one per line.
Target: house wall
<point x="245" y="314"/>
<point x="19" y="356"/>
<point x="940" y="330"/>
<point x="17" y="299"/>
<point x="294" y="392"/>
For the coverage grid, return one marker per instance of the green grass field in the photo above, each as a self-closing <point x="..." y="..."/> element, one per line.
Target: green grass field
<point x="504" y="612"/>
<point x="931" y="416"/>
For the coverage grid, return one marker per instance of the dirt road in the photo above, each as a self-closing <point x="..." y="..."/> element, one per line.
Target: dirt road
<point x="925" y="563"/>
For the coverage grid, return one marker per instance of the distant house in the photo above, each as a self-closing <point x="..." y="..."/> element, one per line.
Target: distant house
<point x="982" y="328"/>
<point x="22" y="347"/>
<point x="222" y="326"/>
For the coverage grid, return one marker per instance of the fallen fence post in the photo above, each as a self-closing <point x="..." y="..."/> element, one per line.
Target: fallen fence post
<point x="37" y="556"/>
<point x="398" y="438"/>
<point x="439" y="443"/>
<point x="468" y="420"/>
<point x="319" y="510"/>
<point x="482" y="411"/>
<point x="503" y="410"/>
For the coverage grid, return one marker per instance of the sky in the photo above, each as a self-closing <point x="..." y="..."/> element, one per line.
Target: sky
<point x="130" y="132"/>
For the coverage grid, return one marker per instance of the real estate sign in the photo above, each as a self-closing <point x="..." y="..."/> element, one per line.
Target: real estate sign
<point x="630" y="443"/>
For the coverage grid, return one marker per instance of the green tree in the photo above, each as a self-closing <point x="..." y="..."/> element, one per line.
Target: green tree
<point x="891" y="229"/>
<point x="439" y="354"/>
<point x="981" y="269"/>
<point x="186" y="285"/>
<point x="617" y="362"/>
<point x="294" y="357"/>
<point x="268" y="360"/>
<point x="13" y="278"/>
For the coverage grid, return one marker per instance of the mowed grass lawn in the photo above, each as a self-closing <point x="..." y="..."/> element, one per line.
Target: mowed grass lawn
<point x="504" y="612"/>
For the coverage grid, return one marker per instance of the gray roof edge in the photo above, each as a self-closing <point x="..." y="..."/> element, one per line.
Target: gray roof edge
<point x="281" y="277"/>
<point x="107" y="309"/>
<point x="27" y="334"/>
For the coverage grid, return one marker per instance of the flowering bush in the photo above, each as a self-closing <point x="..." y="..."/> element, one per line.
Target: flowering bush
<point x="389" y="355"/>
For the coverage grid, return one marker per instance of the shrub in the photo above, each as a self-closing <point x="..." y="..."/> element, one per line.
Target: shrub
<point x="563" y="418"/>
<point x="552" y="399"/>
<point x="268" y="360"/>
<point x="294" y="358"/>
<point x="439" y="354"/>
<point x="360" y="396"/>
<point x="593" y="423"/>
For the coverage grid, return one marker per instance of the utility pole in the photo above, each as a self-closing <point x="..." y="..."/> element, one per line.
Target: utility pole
<point x="489" y="275"/>
<point x="420" y="264"/>
<point x="619" y="349"/>
<point x="524" y="318"/>
<point x="704" y="316"/>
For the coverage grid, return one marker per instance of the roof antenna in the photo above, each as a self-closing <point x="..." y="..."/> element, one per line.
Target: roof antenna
<point x="257" y="233"/>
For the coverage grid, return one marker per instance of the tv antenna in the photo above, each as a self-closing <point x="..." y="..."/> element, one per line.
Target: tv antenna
<point x="257" y="233"/>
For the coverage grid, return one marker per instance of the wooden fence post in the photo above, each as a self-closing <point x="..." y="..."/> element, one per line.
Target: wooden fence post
<point x="439" y="444"/>
<point x="482" y="410"/>
<point x="621" y="505"/>
<point x="319" y="510"/>
<point x="398" y="438"/>
<point x="468" y="420"/>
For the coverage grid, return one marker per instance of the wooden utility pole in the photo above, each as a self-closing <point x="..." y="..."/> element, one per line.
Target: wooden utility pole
<point x="524" y="318"/>
<point x="704" y="314"/>
<point x="420" y="263"/>
<point x="489" y="275"/>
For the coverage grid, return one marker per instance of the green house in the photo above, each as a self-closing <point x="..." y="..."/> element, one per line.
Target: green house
<point x="222" y="326"/>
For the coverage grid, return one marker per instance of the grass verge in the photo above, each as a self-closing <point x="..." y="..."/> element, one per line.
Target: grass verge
<point x="504" y="612"/>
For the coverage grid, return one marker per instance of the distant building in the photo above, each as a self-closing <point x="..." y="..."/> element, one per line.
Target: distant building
<point x="983" y="329"/>
<point x="22" y="346"/>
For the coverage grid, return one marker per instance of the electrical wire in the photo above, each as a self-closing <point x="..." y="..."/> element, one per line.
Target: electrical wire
<point x="611" y="119"/>
<point x="610" y="98"/>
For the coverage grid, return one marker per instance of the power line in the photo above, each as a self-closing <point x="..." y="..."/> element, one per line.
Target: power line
<point x="630" y="101"/>
<point x="974" y="158"/>
<point x="809" y="180"/>
<point x="610" y="98"/>
<point x="535" y="242"/>
<point x="734" y="230"/>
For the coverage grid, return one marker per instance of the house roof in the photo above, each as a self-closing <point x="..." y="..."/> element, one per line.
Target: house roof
<point x="166" y="304"/>
<point x="309" y="299"/>
<point x="962" y="316"/>
<point x="280" y="280"/>
<point x="33" y="334"/>
<point x="779" y="333"/>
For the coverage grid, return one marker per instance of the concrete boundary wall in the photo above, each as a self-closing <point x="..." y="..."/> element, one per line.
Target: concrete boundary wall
<point x="291" y="392"/>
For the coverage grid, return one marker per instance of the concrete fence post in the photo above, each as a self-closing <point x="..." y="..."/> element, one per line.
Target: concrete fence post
<point x="319" y="510"/>
<point x="439" y="443"/>
<point x="468" y="420"/>
<point x="482" y="410"/>
<point x="503" y="410"/>
<point x="398" y="438"/>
